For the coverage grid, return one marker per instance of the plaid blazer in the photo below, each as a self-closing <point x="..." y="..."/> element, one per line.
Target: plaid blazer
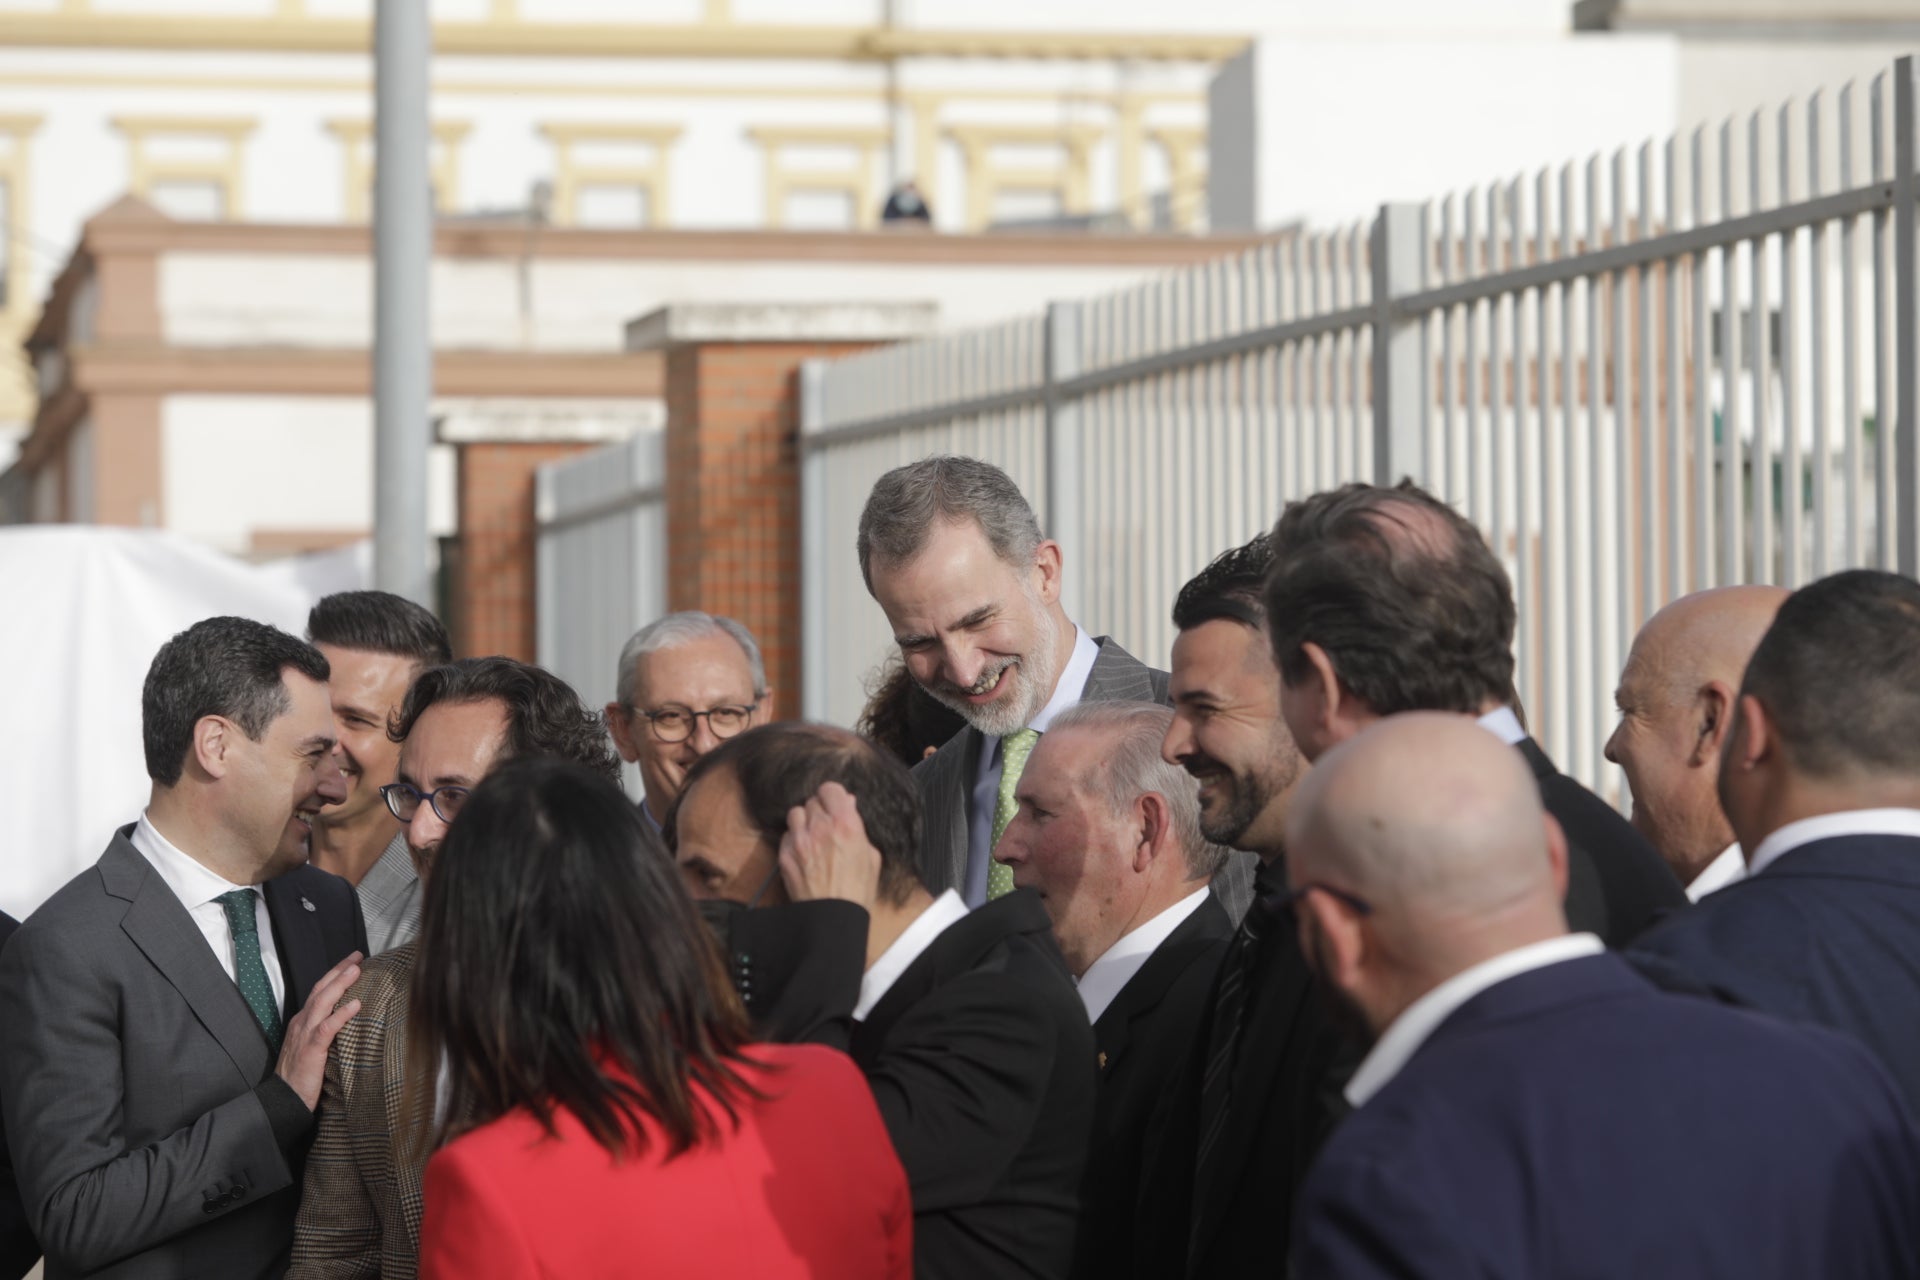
<point x="360" y="1209"/>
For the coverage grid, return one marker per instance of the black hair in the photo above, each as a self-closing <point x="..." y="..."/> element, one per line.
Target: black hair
<point x="544" y="715"/>
<point x="570" y="970"/>
<point x="903" y="719"/>
<point x="379" y="622"/>
<point x="780" y="766"/>
<point x="1233" y="585"/>
<point x="228" y="667"/>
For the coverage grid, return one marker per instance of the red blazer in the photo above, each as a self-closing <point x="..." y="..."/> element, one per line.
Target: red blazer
<point x="806" y="1186"/>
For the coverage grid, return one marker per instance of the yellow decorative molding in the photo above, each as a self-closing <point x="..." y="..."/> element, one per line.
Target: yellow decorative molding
<point x="571" y="176"/>
<point x="356" y="141"/>
<point x="147" y="170"/>
<point x="290" y="29"/>
<point x="857" y="182"/>
<point x="16" y="177"/>
<point x="988" y="178"/>
<point x="1186" y="148"/>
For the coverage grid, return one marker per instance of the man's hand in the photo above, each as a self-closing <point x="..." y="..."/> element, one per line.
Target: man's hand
<point x="826" y="853"/>
<point x="303" y="1054"/>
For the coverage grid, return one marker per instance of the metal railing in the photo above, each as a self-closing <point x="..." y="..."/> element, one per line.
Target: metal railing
<point x="601" y="568"/>
<point x="1689" y="365"/>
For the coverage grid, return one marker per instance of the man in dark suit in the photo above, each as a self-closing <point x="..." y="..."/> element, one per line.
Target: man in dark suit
<point x="168" y="1012"/>
<point x="1108" y="834"/>
<point x="18" y="1249"/>
<point x="1260" y="1083"/>
<point x="1388" y="600"/>
<point x="1531" y="1105"/>
<point x="1821" y="781"/>
<point x="966" y="1023"/>
<point x="954" y="556"/>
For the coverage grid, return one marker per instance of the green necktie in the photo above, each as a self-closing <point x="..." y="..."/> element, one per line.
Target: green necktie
<point x="1014" y="750"/>
<point x="248" y="971"/>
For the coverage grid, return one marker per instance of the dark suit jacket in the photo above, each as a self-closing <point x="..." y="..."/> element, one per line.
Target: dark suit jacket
<point x="18" y="1249"/>
<point x="150" y="1135"/>
<point x="1144" y="1038"/>
<point x="1826" y="934"/>
<point x="1575" y="1121"/>
<point x="982" y="1062"/>
<point x="1617" y="885"/>
<point x="946" y="784"/>
<point x="1230" y="1218"/>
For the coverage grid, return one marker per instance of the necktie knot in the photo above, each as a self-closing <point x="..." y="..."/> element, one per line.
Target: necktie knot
<point x="239" y="908"/>
<point x="1015" y="747"/>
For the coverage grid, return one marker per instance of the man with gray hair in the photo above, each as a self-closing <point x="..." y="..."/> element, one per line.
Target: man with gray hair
<point x="1109" y="835"/>
<point x="952" y="552"/>
<point x="687" y="682"/>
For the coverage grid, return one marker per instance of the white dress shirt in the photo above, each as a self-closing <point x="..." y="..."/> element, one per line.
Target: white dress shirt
<point x="986" y="786"/>
<point x="1731" y="865"/>
<point x="1505" y="725"/>
<point x="946" y="911"/>
<point x="1423" y="1017"/>
<point x="1855" y="822"/>
<point x="199" y="891"/>
<point x="1116" y="966"/>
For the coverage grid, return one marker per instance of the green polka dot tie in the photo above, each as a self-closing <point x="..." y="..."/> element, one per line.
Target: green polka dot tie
<point x="248" y="971"/>
<point x="1014" y="750"/>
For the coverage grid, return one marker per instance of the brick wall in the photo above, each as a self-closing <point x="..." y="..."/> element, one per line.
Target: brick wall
<point x="491" y="597"/>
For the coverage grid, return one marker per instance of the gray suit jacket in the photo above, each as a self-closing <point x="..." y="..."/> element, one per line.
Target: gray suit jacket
<point x="149" y="1133"/>
<point x="946" y="784"/>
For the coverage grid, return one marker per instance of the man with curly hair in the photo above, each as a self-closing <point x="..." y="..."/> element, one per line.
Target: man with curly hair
<point x="360" y="1214"/>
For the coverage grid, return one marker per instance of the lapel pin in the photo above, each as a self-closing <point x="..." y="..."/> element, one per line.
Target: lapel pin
<point x="307" y="904"/>
<point x="1103" y="1061"/>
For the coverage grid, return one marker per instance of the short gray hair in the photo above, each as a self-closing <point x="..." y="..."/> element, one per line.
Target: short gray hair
<point x="907" y="500"/>
<point x="1131" y="765"/>
<point x="681" y="628"/>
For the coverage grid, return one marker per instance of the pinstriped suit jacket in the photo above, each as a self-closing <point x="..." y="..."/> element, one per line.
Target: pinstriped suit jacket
<point x="946" y="783"/>
<point x="362" y="1203"/>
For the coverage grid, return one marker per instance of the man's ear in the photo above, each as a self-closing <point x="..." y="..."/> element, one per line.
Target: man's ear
<point x="1557" y="856"/>
<point x="1047" y="564"/>
<point x="1753" y="745"/>
<point x="763" y="710"/>
<point x="1713" y="705"/>
<point x="620" y="729"/>
<point x="1334" y="711"/>
<point x="1344" y="950"/>
<point x="214" y="737"/>
<point x="1153" y="819"/>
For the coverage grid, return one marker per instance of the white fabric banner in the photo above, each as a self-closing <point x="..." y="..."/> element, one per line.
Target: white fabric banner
<point x="82" y="612"/>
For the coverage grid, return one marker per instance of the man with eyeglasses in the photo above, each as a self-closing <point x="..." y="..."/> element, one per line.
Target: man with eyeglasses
<point x="687" y="683"/>
<point x="360" y="1214"/>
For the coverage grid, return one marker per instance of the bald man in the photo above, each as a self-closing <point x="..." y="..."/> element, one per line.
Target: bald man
<point x="1676" y="698"/>
<point x="1532" y="1106"/>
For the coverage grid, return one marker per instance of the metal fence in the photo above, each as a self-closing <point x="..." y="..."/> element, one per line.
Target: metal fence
<point x="1686" y="364"/>
<point x="601" y="571"/>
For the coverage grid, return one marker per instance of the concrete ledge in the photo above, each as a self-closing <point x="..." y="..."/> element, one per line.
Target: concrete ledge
<point x="516" y="421"/>
<point x="714" y="322"/>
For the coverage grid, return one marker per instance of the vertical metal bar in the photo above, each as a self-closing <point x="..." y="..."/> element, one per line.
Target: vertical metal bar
<point x="1822" y="437"/>
<point x="1852" y="548"/>
<point x="1790" y="488"/>
<point x="1731" y="488"/>
<point x="1649" y="506"/>
<point x="1449" y="441"/>
<point x="1357" y="371"/>
<point x="1526" y="481"/>
<point x="1704" y="526"/>
<point x="1399" y="376"/>
<point x="1883" y="393"/>
<point x="1560" y="446"/>
<point x="1593" y="548"/>
<point x="1472" y="494"/>
<point x="1760" y="355"/>
<point x="1906" y="325"/>
<point x="1498" y="525"/>
<point x="816" y="555"/>
<point x="1676" y="520"/>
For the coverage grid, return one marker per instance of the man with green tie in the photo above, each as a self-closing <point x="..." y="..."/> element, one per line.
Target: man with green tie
<point x="168" y="1012"/>
<point x="953" y="554"/>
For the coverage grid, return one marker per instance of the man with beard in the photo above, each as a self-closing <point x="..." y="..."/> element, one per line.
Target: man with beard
<point x="1260" y="1085"/>
<point x="1533" y="1106"/>
<point x="952" y="552"/>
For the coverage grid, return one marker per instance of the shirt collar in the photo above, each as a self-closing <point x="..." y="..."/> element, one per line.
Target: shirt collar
<point x="1423" y="1017"/>
<point x="1503" y="724"/>
<point x="1106" y="977"/>
<point x="1072" y="682"/>
<point x="947" y="909"/>
<point x="1826" y="826"/>
<point x="191" y="881"/>
<point x="1731" y="865"/>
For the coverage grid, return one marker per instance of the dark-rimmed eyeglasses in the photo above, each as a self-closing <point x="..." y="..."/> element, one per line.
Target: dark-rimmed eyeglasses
<point x="675" y="724"/>
<point x="1288" y="903"/>
<point x="403" y="801"/>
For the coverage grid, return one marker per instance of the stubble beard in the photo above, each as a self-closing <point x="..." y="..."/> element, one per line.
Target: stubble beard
<point x="1032" y="676"/>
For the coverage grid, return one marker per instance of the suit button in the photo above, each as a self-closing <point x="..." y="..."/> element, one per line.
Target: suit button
<point x="211" y="1206"/>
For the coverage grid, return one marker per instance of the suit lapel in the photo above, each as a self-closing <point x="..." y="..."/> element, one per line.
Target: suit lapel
<point x="1117" y="676"/>
<point x="946" y="797"/>
<point x="297" y="937"/>
<point x="159" y="925"/>
<point x="1113" y="1033"/>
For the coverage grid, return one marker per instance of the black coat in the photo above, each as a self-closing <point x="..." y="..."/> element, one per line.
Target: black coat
<point x="18" y="1249"/>
<point x="1144" y="1039"/>
<point x="981" y="1060"/>
<point x="1617" y="885"/>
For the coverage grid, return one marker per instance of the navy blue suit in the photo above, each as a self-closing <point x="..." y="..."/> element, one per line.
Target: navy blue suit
<point x="1576" y="1121"/>
<point x="1830" y="933"/>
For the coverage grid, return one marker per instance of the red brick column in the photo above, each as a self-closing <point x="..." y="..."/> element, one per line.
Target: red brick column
<point x="492" y="606"/>
<point x="733" y="491"/>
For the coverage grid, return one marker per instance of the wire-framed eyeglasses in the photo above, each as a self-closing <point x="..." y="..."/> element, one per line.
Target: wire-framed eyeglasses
<point x="403" y="801"/>
<point x="675" y="724"/>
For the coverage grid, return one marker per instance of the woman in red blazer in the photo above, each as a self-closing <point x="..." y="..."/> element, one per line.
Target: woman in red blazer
<point x="602" y="1112"/>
